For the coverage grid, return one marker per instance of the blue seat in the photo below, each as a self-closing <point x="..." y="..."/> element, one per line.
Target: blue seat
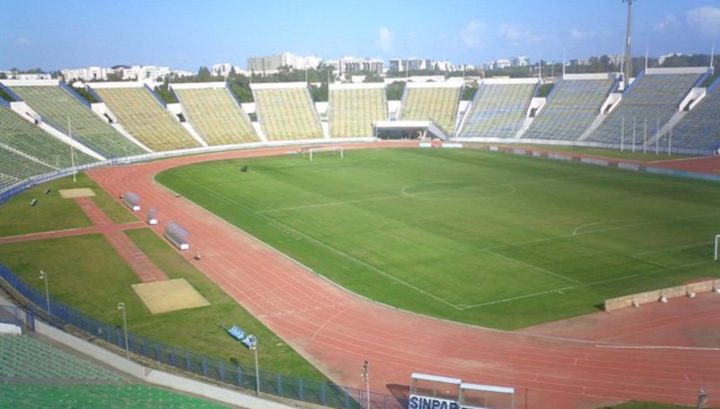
<point x="236" y="333"/>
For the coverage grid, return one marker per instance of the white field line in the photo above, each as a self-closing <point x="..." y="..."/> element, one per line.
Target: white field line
<point x="464" y="306"/>
<point x="542" y="270"/>
<point x="582" y="226"/>
<point x="573" y="287"/>
<point x="564" y="236"/>
<point x="403" y="193"/>
<point x="639" y="256"/>
<point x="323" y="244"/>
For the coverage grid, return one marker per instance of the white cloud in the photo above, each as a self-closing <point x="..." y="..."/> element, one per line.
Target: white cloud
<point x="385" y="39"/>
<point x="670" y="21"/>
<point x="706" y="20"/>
<point x="518" y="34"/>
<point x="471" y="35"/>
<point x="24" y="42"/>
<point x="576" y="34"/>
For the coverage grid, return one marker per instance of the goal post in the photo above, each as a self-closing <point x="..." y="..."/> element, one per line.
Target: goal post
<point x="717" y="239"/>
<point x="318" y="149"/>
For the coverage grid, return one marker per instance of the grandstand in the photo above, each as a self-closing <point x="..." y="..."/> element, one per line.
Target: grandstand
<point x="572" y="107"/>
<point x="353" y="108"/>
<point x="34" y="374"/>
<point x="57" y="105"/>
<point x="286" y="111"/>
<point x="15" y="168"/>
<point x="437" y="102"/>
<point x="700" y="128"/>
<point x="499" y="108"/>
<point x="19" y="134"/>
<point x="215" y="114"/>
<point x="654" y="96"/>
<point x="26" y="358"/>
<point x="143" y="116"/>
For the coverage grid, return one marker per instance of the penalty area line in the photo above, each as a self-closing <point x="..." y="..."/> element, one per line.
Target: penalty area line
<point x="325" y="245"/>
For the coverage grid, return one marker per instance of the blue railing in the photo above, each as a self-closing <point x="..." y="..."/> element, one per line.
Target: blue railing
<point x="290" y="387"/>
<point x="74" y="94"/>
<point x="10" y="314"/>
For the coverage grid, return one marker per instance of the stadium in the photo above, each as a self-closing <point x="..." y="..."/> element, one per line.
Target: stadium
<point x="489" y="242"/>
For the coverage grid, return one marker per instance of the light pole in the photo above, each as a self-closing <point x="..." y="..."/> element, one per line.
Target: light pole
<point x="44" y="277"/>
<point x="628" y="43"/>
<point x="121" y="307"/>
<point x="366" y="379"/>
<point x="257" y="368"/>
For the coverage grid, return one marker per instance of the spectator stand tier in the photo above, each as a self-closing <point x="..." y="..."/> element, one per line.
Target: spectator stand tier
<point x="700" y="128"/>
<point x="499" y="108"/>
<point x="652" y="98"/>
<point x="353" y="108"/>
<point x="286" y="111"/>
<point x="143" y="116"/>
<point x="215" y="113"/>
<point x="435" y="101"/>
<point x="61" y="108"/>
<point x="572" y="106"/>
<point x="22" y="136"/>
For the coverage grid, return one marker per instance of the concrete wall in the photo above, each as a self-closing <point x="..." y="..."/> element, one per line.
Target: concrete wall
<point x="655" y="295"/>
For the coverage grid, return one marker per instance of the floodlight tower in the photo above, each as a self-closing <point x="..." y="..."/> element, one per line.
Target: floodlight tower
<point x="628" y="43"/>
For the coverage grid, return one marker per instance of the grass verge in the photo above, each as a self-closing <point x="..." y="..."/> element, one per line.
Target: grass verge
<point x="75" y="279"/>
<point x="52" y="212"/>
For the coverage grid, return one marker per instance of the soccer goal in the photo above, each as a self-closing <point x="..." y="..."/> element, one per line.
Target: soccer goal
<point x="314" y="150"/>
<point x="717" y="238"/>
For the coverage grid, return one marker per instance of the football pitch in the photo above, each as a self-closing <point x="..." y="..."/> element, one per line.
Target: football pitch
<point x="472" y="236"/>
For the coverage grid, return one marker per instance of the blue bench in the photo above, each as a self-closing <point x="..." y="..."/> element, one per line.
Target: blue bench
<point x="250" y="341"/>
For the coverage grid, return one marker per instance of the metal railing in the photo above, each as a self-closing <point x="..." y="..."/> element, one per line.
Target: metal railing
<point x="289" y="387"/>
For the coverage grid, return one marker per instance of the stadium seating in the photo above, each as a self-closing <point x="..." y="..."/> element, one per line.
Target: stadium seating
<point x="33" y="141"/>
<point x="700" y="128"/>
<point x="216" y="116"/>
<point x="117" y="396"/>
<point x="439" y="105"/>
<point x="34" y="374"/>
<point x="56" y="105"/>
<point x="652" y="97"/>
<point x="287" y="113"/>
<point x="572" y="108"/>
<point x="142" y="116"/>
<point x="352" y="111"/>
<point x="15" y="168"/>
<point x="24" y="357"/>
<point x="498" y="110"/>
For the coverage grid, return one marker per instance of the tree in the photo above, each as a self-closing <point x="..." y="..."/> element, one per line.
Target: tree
<point x="395" y="91"/>
<point x="469" y="91"/>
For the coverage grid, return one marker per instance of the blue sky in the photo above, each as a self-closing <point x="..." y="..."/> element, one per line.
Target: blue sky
<point x="186" y="34"/>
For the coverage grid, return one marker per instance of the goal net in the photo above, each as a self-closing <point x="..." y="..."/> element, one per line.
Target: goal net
<point x="313" y="151"/>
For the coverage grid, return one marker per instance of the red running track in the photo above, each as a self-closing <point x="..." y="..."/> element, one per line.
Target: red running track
<point x="336" y="330"/>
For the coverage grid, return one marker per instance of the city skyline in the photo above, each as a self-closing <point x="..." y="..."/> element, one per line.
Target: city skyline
<point x="47" y="35"/>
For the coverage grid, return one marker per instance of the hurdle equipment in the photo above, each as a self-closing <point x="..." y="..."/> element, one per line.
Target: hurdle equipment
<point x="131" y="200"/>
<point x="177" y="235"/>
<point x="152" y="217"/>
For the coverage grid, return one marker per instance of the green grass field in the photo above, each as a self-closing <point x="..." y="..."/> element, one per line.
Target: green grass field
<point x="478" y="237"/>
<point x="52" y="212"/>
<point x="75" y="278"/>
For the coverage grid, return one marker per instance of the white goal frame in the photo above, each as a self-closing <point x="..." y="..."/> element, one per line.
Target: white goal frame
<point x="318" y="149"/>
<point x="717" y="239"/>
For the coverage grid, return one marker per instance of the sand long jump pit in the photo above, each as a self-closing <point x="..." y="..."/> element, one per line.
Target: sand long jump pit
<point x="75" y="193"/>
<point x="170" y="295"/>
